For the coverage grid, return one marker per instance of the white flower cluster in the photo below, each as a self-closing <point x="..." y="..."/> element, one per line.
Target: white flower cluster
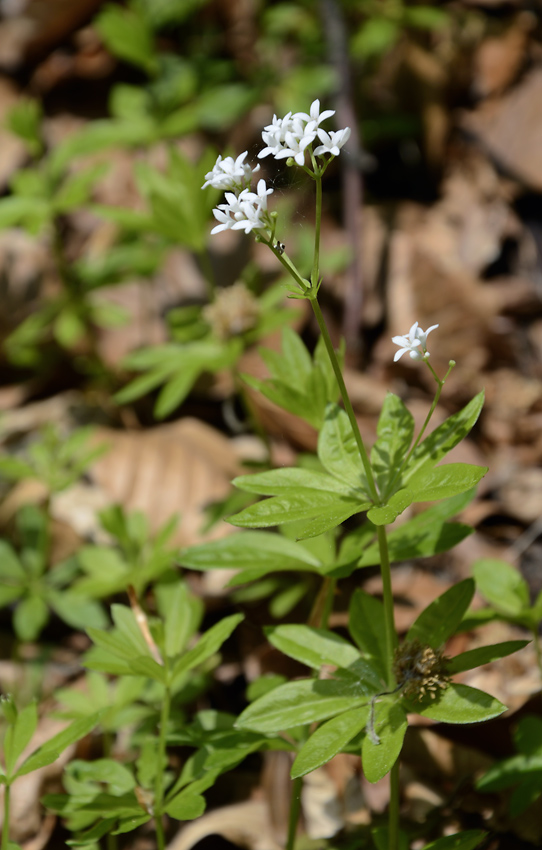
<point x="285" y="137"/>
<point x="230" y="174"/>
<point x="246" y="211"/>
<point x="291" y="136"/>
<point x="415" y="342"/>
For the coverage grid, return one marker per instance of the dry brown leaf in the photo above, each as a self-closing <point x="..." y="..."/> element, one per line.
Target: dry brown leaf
<point x="246" y="824"/>
<point x="499" y="59"/>
<point x="510" y="129"/>
<point x="179" y="468"/>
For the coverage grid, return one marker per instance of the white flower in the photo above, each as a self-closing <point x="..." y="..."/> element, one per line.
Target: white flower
<point x="315" y="115"/>
<point x="294" y="146"/>
<point x="246" y="211"/>
<point x="291" y="135"/>
<point x="414" y="342"/>
<point x="230" y="174"/>
<point x="332" y="142"/>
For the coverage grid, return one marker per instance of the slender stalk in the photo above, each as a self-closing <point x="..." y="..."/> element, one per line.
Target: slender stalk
<point x="316" y="261"/>
<point x="385" y="570"/>
<point x="538" y="650"/>
<point x="159" y="781"/>
<point x="346" y="401"/>
<point x="5" y="825"/>
<point x="393" y="811"/>
<point x="323" y="604"/>
<point x="295" y="809"/>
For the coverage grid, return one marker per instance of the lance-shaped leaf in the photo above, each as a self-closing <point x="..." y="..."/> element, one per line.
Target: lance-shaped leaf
<point x="50" y="751"/>
<point x="441" y="618"/>
<point x="319" y="511"/>
<point x="304" y="701"/>
<point x="279" y="482"/>
<point x="18" y="735"/>
<point x="426" y="534"/>
<point x="395" y="429"/>
<point x="338" y="450"/>
<point x="458" y="704"/>
<point x="366" y="624"/>
<point x="207" y="645"/>
<point x="252" y="550"/>
<point x="429" y="485"/>
<point x="380" y="750"/>
<point x="329" y="739"/>
<point x="311" y="646"/>
<point x="483" y="655"/>
<point x="444" y="438"/>
<point x="502" y="585"/>
<point x="467" y="840"/>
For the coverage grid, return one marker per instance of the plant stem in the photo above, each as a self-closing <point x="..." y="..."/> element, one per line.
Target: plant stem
<point x="385" y="570"/>
<point x="5" y="825"/>
<point x="295" y="808"/>
<point x="393" y="810"/>
<point x="346" y="401"/>
<point x="316" y="261"/>
<point x="159" y="781"/>
<point x="538" y="650"/>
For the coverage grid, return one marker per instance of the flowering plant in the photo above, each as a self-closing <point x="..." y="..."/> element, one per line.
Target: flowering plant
<point x="378" y="680"/>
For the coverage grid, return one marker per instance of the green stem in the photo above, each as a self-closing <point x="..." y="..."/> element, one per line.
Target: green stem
<point x="538" y="650"/>
<point x="5" y="825"/>
<point x="159" y="781"/>
<point x="316" y="261"/>
<point x="385" y="570"/>
<point x="295" y="809"/>
<point x="393" y="810"/>
<point x="346" y="401"/>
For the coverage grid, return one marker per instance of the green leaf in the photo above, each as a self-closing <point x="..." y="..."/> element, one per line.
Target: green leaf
<point x="321" y="510"/>
<point x="395" y="429"/>
<point x="467" y="840"/>
<point x="375" y="37"/>
<point x="279" y="482"/>
<point x="502" y="585"/>
<point x="483" y="655"/>
<point x="311" y="646"/>
<point x="18" y="735"/>
<point x="56" y="745"/>
<point x="329" y="739"/>
<point x="30" y="617"/>
<point x="338" y="450"/>
<point x="207" y="645"/>
<point x="528" y="735"/>
<point x="182" y="614"/>
<point x="444" y="481"/>
<point x="304" y="701"/>
<point x="127" y="35"/>
<point x="441" y="618"/>
<point x="390" y="725"/>
<point x="459" y="704"/>
<point x="254" y="550"/>
<point x="388" y="513"/>
<point x="366" y="624"/>
<point x="425" y="535"/>
<point x="186" y="806"/>
<point x="443" y="439"/>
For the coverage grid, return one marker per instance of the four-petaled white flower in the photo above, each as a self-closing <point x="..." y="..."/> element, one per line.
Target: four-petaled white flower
<point x="246" y="211"/>
<point x="332" y="142"/>
<point x="230" y="174"/>
<point x="315" y="116"/>
<point x="415" y="342"/>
